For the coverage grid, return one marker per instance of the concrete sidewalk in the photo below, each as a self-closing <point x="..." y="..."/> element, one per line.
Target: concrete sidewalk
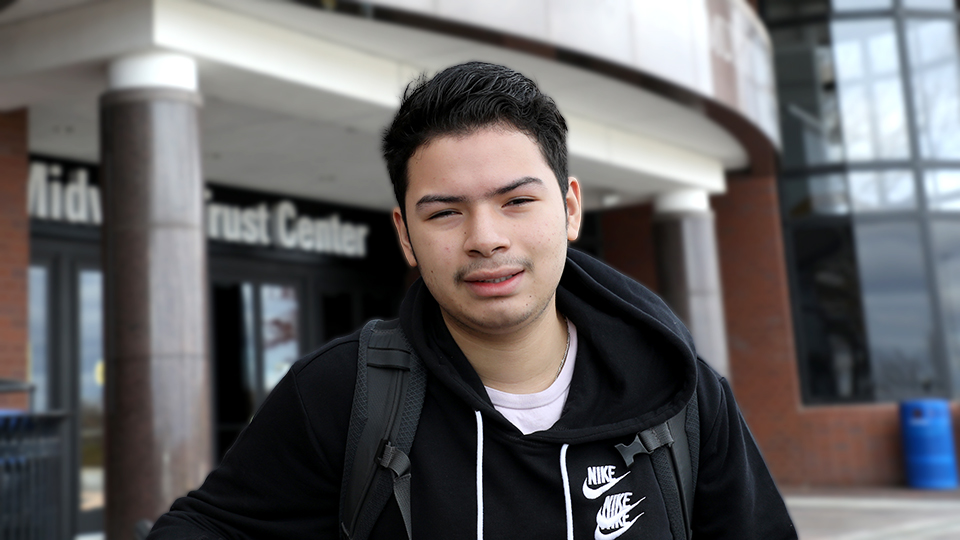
<point x="881" y="514"/>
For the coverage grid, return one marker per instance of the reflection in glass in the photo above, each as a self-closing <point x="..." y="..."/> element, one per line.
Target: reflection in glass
<point x="871" y="100"/>
<point x="858" y="192"/>
<point x="946" y="248"/>
<point x="821" y="194"/>
<point x="91" y="389"/>
<point x="249" y="344"/>
<point x="897" y="310"/>
<point x="947" y="5"/>
<point x="807" y="92"/>
<point x="943" y="189"/>
<point x="854" y="5"/>
<point x="39" y="356"/>
<point x="871" y="191"/>
<point x="279" y="331"/>
<point x="789" y="9"/>
<point x="835" y="366"/>
<point x="935" y="76"/>
<point x="828" y="194"/>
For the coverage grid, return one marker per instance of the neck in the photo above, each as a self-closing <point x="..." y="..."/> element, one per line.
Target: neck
<point x="521" y="362"/>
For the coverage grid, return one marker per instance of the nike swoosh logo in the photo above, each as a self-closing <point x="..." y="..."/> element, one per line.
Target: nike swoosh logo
<point x="600" y="535"/>
<point x="604" y="522"/>
<point x="593" y="493"/>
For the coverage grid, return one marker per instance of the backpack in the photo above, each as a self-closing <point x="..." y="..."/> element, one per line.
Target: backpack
<point x="388" y="397"/>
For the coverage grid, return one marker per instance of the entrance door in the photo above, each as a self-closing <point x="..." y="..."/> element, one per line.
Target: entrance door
<point x="67" y="368"/>
<point x="256" y="337"/>
<point x="267" y="314"/>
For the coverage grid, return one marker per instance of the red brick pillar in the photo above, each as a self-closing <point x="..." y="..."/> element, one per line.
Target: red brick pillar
<point x="14" y="252"/>
<point x="628" y="242"/>
<point x="851" y="445"/>
<point x="759" y="324"/>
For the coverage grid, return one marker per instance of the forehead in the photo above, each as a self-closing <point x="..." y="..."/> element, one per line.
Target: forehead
<point x="475" y="159"/>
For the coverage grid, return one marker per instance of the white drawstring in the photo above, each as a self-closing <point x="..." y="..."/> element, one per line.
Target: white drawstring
<point x="567" y="500"/>
<point x="479" y="476"/>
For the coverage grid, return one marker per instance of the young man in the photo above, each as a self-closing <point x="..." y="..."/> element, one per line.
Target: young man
<point x="540" y="362"/>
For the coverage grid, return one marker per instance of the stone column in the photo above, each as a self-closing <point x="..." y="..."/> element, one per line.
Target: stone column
<point x="688" y="270"/>
<point x="157" y="397"/>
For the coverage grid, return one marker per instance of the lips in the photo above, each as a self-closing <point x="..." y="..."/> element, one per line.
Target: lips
<point x="493" y="283"/>
<point x="494" y="280"/>
<point x="498" y="275"/>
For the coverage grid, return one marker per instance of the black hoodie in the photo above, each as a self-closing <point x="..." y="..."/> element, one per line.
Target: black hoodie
<point x="474" y="474"/>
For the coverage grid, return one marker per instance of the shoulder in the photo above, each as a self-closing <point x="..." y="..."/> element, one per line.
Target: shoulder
<point x="714" y="398"/>
<point x="324" y="379"/>
<point x="337" y="351"/>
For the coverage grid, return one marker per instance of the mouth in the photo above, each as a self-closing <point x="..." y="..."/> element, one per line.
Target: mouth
<point x="493" y="280"/>
<point x="493" y="283"/>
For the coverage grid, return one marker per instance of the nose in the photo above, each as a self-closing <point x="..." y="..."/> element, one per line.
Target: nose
<point x="485" y="234"/>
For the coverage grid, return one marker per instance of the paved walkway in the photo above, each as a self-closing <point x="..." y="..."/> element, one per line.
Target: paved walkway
<point x="875" y="514"/>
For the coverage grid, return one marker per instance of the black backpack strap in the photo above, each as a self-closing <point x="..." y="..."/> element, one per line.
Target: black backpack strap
<point x="387" y="400"/>
<point x="674" y="449"/>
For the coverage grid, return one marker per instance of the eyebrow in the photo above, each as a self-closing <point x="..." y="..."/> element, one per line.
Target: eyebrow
<point x="503" y="190"/>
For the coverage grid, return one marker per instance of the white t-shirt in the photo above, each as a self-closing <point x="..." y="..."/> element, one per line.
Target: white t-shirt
<point x="539" y="411"/>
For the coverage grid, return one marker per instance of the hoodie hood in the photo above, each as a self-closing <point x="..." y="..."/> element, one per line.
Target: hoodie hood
<point x="636" y="363"/>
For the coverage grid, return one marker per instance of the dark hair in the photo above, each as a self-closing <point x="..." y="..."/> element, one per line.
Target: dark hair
<point x="467" y="97"/>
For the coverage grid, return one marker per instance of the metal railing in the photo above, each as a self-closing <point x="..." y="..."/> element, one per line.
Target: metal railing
<point x="31" y="471"/>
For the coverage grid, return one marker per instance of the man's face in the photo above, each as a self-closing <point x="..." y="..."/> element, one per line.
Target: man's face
<point x="487" y="226"/>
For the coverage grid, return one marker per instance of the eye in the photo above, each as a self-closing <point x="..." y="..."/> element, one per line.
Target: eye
<point x="441" y="214"/>
<point x="520" y="201"/>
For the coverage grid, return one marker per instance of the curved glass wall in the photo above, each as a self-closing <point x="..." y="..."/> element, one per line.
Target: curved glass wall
<point x="869" y="95"/>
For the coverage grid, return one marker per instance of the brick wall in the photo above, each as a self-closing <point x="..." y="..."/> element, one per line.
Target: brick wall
<point x="628" y="242"/>
<point x="804" y="446"/>
<point x="14" y="252"/>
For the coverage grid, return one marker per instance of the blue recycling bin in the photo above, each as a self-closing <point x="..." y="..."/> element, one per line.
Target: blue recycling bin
<point x="928" y="444"/>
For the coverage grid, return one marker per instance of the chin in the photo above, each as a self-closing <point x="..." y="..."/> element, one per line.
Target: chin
<point x="496" y="322"/>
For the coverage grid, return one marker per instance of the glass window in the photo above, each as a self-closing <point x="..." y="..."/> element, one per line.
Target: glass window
<point x="835" y="365"/>
<point x="828" y="195"/>
<point x="872" y="113"/>
<point x="39" y="355"/>
<point x="856" y="5"/>
<point x="234" y="361"/>
<point x="946" y="248"/>
<point x="872" y="191"/>
<point x="935" y="78"/>
<point x="858" y="192"/>
<point x="897" y="310"/>
<point x="91" y="389"/>
<point x="789" y="9"/>
<point x="279" y="331"/>
<point x="249" y="355"/>
<point x="930" y="4"/>
<point x="807" y="93"/>
<point x="943" y="190"/>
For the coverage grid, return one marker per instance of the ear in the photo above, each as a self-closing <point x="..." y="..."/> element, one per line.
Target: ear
<point x="574" y="209"/>
<point x="404" y="237"/>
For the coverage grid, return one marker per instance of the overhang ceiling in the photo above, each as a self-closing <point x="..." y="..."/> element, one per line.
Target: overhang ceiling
<point x="278" y="124"/>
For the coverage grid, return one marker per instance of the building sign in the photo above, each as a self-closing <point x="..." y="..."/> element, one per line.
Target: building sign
<point x="280" y="224"/>
<point x="67" y="192"/>
<point x="62" y="193"/>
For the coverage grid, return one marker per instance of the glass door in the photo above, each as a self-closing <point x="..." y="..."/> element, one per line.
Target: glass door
<point x="256" y="337"/>
<point x="38" y="354"/>
<point x="89" y="282"/>
<point x="66" y="366"/>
